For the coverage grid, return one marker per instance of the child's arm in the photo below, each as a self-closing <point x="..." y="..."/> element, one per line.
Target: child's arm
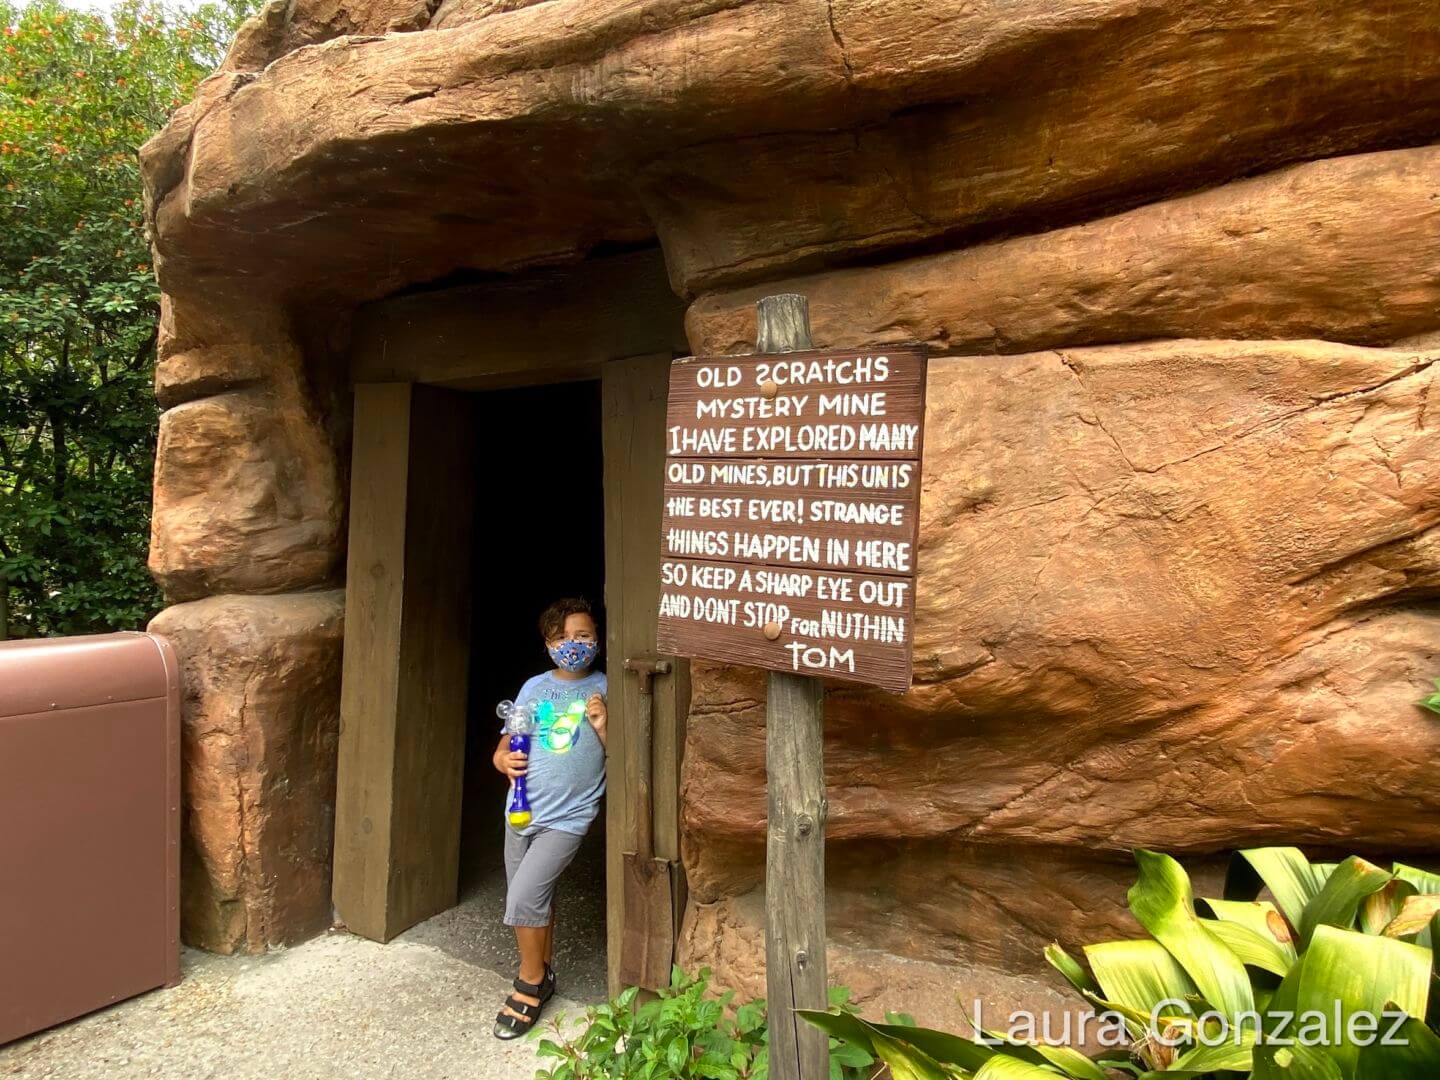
<point x="511" y="764"/>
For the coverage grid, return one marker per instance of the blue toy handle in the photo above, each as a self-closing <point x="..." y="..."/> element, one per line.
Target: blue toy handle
<point x="519" y="814"/>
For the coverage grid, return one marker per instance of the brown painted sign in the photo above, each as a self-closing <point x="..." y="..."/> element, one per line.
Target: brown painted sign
<point x="792" y="491"/>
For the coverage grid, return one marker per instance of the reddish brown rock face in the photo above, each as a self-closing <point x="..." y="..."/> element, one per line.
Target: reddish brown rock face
<point x="261" y="685"/>
<point x="246" y="498"/>
<point x="1176" y="593"/>
<point x="1346" y="249"/>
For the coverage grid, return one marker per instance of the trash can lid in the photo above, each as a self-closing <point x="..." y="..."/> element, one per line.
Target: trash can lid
<point x="52" y="674"/>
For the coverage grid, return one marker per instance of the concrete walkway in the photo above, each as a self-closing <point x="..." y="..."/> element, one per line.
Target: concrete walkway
<point x="338" y="1006"/>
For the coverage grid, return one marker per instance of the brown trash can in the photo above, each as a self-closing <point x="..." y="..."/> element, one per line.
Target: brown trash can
<point x="89" y="825"/>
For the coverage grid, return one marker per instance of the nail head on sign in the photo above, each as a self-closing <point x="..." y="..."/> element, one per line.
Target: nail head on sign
<point x="769" y="388"/>
<point x="772" y="630"/>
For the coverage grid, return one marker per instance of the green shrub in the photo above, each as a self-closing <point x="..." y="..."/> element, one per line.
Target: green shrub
<point x="1338" y="941"/>
<point x="685" y="1032"/>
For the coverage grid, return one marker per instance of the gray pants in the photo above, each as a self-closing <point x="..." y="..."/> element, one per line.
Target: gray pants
<point x="533" y="864"/>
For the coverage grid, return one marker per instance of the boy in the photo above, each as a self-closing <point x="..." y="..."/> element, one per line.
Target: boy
<point x="565" y="778"/>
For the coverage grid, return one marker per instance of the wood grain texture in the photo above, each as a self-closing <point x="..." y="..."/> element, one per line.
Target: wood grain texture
<point x="434" y="660"/>
<point x="795" y="830"/>
<point x="720" y="400"/>
<point x="795" y="965"/>
<point x="403" y="693"/>
<point x="876" y="662"/>
<point x="633" y="410"/>
<point x="374" y="594"/>
<point x="484" y="336"/>
<point x="853" y="511"/>
<point x="807" y="519"/>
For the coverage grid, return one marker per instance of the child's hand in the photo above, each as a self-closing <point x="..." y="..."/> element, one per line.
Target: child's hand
<point x="596" y="712"/>
<point x="512" y="763"/>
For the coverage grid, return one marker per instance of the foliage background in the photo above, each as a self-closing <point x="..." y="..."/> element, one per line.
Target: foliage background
<point x="79" y="93"/>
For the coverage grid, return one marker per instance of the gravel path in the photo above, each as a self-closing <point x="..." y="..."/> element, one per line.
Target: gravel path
<point x="338" y="1006"/>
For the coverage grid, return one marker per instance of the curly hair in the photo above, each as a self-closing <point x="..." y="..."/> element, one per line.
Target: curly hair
<point x="552" y="619"/>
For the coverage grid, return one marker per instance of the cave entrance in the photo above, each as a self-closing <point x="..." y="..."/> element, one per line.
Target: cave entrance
<point x="460" y="533"/>
<point x="541" y="536"/>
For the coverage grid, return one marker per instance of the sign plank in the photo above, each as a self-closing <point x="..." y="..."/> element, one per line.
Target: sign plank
<point x="825" y="404"/>
<point x="855" y="627"/>
<point x="791" y="511"/>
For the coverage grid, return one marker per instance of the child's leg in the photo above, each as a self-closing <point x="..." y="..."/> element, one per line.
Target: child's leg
<point x="550" y="936"/>
<point x="531" y="942"/>
<point x="529" y="900"/>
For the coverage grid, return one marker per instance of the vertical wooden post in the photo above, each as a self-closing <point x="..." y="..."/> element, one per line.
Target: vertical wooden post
<point x="407" y="653"/>
<point x="795" y="839"/>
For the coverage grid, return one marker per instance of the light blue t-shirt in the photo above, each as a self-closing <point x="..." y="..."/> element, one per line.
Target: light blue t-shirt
<point x="565" y="777"/>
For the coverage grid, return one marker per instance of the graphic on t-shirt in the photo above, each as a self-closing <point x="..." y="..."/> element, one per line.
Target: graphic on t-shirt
<point x="557" y="732"/>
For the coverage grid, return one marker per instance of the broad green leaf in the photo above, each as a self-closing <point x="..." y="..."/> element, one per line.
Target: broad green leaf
<point x="1415" y="916"/>
<point x="951" y="1049"/>
<point x="1418" y="1057"/>
<point x="906" y="1062"/>
<point x="1283" y="870"/>
<point x="842" y="1025"/>
<point x="1296" y="1062"/>
<point x="1203" y="1061"/>
<point x="1363" y="973"/>
<point x="1137" y="974"/>
<point x="1382" y="906"/>
<point x="1338" y="901"/>
<point x="1003" y="1067"/>
<point x="1136" y="977"/>
<point x="1432" y="1014"/>
<point x="1423" y="880"/>
<point x="1070" y="1062"/>
<point x="1068" y="966"/>
<point x="1253" y="931"/>
<point x="1431" y="701"/>
<point x="1162" y="903"/>
<point x="1230" y="1056"/>
<point x="1257" y="950"/>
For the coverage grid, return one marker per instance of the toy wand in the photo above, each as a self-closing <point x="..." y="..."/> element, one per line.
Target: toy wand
<point x="519" y="725"/>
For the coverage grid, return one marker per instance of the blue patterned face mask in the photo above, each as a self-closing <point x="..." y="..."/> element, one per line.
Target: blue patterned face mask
<point x="574" y="655"/>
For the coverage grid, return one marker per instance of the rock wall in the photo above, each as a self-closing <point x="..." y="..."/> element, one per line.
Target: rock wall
<point x="1179" y="268"/>
<point x="248" y="526"/>
<point x="261" y="686"/>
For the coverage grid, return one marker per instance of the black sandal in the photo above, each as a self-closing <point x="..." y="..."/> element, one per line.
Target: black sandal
<point x="548" y="986"/>
<point x="509" y="1027"/>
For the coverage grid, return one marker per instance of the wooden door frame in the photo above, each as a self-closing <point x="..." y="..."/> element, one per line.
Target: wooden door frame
<point x="396" y="840"/>
<point x="634" y="393"/>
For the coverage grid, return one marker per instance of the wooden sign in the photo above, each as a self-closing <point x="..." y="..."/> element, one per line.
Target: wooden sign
<point x="792" y="491"/>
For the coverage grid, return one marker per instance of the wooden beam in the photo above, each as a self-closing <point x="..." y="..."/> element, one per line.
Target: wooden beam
<point x="506" y="332"/>
<point x="634" y="395"/>
<point x="403" y="697"/>
<point x="795" y="976"/>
